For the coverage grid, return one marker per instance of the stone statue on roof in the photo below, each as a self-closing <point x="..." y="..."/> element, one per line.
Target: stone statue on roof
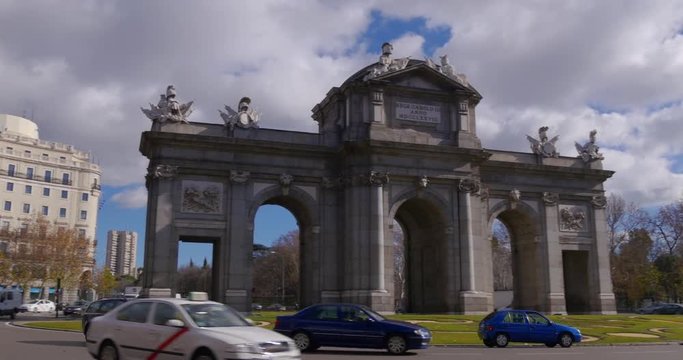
<point x="169" y="108"/>
<point x="245" y="116"/>
<point x="589" y="151"/>
<point x="386" y="63"/>
<point x="543" y="146"/>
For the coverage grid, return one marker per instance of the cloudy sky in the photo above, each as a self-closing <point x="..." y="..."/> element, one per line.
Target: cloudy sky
<point x="82" y="69"/>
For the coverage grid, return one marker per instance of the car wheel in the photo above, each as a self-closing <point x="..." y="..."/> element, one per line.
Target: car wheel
<point x="550" y="344"/>
<point x="396" y="345"/>
<point x="108" y="352"/>
<point x="203" y="355"/>
<point x="35" y="310"/>
<point x="502" y="340"/>
<point x="303" y="341"/>
<point x="566" y="340"/>
<point x="489" y="343"/>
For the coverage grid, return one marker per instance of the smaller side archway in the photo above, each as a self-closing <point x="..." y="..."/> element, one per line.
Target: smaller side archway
<point x="528" y="271"/>
<point x="302" y="206"/>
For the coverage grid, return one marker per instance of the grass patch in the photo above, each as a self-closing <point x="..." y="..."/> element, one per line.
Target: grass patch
<point x="462" y="329"/>
<point x="70" y="325"/>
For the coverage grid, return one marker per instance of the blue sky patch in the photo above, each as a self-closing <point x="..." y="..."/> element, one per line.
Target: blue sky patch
<point x="383" y="29"/>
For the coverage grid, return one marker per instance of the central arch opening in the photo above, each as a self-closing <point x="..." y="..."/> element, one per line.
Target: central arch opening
<point x="420" y="240"/>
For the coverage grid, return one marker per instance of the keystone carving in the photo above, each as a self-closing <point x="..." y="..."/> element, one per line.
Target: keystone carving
<point x="239" y="177"/>
<point x="551" y="199"/>
<point x="469" y="185"/>
<point x="599" y="201"/>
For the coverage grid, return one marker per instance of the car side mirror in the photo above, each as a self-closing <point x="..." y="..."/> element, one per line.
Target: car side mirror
<point x="175" y="323"/>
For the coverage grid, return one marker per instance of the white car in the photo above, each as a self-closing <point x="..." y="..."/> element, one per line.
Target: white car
<point x="165" y="328"/>
<point x="38" y="306"/>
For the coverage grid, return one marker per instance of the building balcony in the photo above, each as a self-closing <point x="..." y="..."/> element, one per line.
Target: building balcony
<point x="34" y="177"/>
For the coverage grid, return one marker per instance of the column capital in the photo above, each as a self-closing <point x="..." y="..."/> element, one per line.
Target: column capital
<point x="469" y="185"/>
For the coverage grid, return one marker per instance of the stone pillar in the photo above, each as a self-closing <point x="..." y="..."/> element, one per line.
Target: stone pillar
<point x="377" y="103"/>
<point x="602" y="296"/>
<point x="471" y="300"/>
<point x="234" y="252"/>
<point x="161" y="244"/>
<point x="554" y="297"/>
<point x="377" y="181"/>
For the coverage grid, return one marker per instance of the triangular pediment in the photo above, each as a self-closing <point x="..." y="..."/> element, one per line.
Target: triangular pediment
<point x="422" y="76"/>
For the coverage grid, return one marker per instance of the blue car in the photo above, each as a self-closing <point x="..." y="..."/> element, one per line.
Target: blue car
<point x="501" y="327"/>
<point x="350" y="325"/>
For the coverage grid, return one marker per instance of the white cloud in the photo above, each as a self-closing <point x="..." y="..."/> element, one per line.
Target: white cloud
<point x="85" y="74"/>
<point x="132" y="198"/>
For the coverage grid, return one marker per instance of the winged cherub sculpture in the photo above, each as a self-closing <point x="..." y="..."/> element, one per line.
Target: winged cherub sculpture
<point x="245" y="116"/>
<point x="543" y="146"/>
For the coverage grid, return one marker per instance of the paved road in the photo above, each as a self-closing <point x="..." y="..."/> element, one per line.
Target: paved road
<point x="30" y="344"/>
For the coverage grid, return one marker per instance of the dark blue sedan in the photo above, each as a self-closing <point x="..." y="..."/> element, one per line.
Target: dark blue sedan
<point x="349" y="325"/>
<point x="501" y="327"/>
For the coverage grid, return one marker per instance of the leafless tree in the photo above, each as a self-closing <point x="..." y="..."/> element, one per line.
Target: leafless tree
<point x="667" y="228"/>
<point x="276" y="271"/>
<point x="399" y="265"/>
<point x="502" y="257"/>
<point x="622" y="219"/>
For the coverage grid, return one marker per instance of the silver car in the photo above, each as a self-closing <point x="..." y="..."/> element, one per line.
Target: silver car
<point x="165" y="328"/>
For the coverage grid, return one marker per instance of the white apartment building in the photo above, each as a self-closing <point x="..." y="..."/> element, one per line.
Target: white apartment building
<point x="121" y="252"/>
<point x="46" y="177"/>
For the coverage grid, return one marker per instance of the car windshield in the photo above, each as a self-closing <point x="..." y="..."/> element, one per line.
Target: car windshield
<point x="372" y="313"/>
<point x="214" y="315"/>
<point x="33" y="301"/>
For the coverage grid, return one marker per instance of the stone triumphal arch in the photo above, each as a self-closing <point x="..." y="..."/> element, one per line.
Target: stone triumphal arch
<point x="397" y="143"/>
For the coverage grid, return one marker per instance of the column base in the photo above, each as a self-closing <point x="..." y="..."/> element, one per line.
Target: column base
<point x="476" y="303"/>
<point x="155" y="293"/>
<point x="605" y="304"/>
<point x="378" y="300"/>
<point x="237" y="299"/>
<point x="556" y="304"/>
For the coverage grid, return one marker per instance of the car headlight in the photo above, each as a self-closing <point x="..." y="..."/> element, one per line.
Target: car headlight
<point x="423" y="333"/>
<point x="244" y="348"/>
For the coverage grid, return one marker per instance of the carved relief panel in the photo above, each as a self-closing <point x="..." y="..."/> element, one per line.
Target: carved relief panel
<point x="201" y="197"/>
<point x="572" y="218"/>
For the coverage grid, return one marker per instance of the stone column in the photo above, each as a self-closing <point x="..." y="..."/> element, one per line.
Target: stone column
<point x="472" y="301"/>
<point x="377" y="103"/>
<point x="377" y="181"/>
<point x="235" y="252"/>
<point x="161" y="245"/>
<point x="602" y="298"/>
<point x="554" y="299"/>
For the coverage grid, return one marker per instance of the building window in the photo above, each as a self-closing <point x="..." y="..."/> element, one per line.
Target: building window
<point x="65" y="179"/>
<point x="46" y="191"/>
<point x="28" y="189"/>
<point x="46" y="156"/>
<point x="24" y="230"/>
<point x="11" y="168"/>
<point x="62" y="212"/>
<point x="29" y="173"/>
<point x="48" y="176"/>
<point x="84" y="197"/>
<point x="81" y="233"/>
<point x="27" y="153"/>
<point x="84" y="215"/>
<point x="8" y="206"/>
<point x="62" y="159"/>
<point x="10" y="186"/>
<point x="27" y="208"/>
<point x="45" y="210"/>
<point x="65" y="194"/>
<point x="5" y="225"/>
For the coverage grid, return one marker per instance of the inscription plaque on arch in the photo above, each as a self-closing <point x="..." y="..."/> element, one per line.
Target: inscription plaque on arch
<point x="430" y="114"/>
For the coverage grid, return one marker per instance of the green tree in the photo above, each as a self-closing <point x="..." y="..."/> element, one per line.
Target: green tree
<point x="105" y="282"/>
<point x="670" y="268"/>
<point x="634" y="277"/>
